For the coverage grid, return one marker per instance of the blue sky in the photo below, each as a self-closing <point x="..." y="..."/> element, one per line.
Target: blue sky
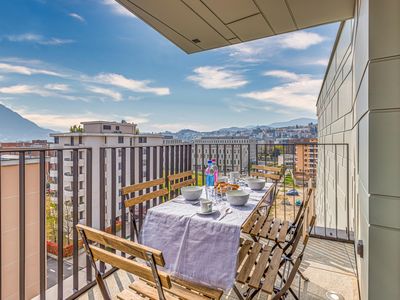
<point x="62" y="62"/>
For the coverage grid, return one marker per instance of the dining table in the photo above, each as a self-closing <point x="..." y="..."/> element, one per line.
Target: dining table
<point x="200" y="248"/>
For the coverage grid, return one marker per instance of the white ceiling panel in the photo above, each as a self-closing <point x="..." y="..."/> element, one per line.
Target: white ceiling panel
<point x="197" y="25"/>
<point x="210" y="18"/>
<point x="309" y="13"/>
<point x="277" y="14"/>
<point x="251" y="28"/>
<point x="231" y="10"/>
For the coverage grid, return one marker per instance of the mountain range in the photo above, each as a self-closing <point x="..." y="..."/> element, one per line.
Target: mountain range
<point x="189" y="134"/>
<point x="16" y="128"/>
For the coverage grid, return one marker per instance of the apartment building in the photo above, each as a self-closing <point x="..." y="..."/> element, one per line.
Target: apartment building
<point x="10" y="226"/>
<point x="230" y="153"/>
<point x="306" y="158"/>
<point x="96" y="135"/>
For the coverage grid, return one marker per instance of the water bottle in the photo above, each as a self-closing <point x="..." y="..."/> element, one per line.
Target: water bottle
<point x="214" y="164"/>
<point x="209" y="175"/>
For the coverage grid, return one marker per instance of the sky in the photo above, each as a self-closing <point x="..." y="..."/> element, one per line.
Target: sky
<point x="64" y="62"/>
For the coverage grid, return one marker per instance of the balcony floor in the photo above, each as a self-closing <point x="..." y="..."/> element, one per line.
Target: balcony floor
<point x="329" y="265"/>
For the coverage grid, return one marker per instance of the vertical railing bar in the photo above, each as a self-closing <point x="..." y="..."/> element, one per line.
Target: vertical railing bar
<point x="336" y="195"/>
<point x="75" y="207"/>
<point x="22" y="225"/>
<point x="209" y="152"/>
<point x="232" y="156"/>
<point x="304" y="171"/>
<point x="202" y="164"/>
<point x="1" y="261"/>
<point x="249" y="158"/>
<point x="102" y="197"/>
<point x="140" y="192"/>
<point x="348" y="191"/>
<point x="160" y="169"/>
<point x="181" y="161"/>
<point x="265" y="154"/>
<point x="240" y="158"/>
<point x="88" y="206"/>
<point x="196" y="171"/>
<point x="148" y="163"/>
<point x="42" y="216"/>
<point x="166" y="168"/>
<point x="132" y="173"/>
<point x="257" y="154"/>
<point x="60" y="224"/>
<point x="113" y="191"/>
<point x="325" y="190"/>
<point x="217" y="157"/>
<point x="225" y="155"/>
<point x="121" y="198"/>
<point x="154" y="164"/>
<point x="176" y="165"/>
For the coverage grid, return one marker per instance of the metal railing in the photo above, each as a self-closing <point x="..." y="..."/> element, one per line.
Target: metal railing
<point x="108" y="169"/>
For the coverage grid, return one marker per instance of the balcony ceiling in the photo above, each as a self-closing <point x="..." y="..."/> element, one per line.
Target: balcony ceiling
<point x="198" y="25"/>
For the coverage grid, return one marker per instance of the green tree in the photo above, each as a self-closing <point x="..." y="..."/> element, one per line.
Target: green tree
<point x="76" y="128"/>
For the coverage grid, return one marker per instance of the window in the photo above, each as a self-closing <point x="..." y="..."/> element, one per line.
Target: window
<point x="56" y="140"/>
<point x="119" y="179"/>
<point x="116" y="127"/>
<point x="80" y="154"/>
<point x="107" y="127"/>
<point x="71" y="141"/>
<point x="81" y="200"/>
<point x="81" y="216"/>
<point x="80" y="140"/>
<point x="80" y="170"/>
<point x="81" y="185"/>
<point x="142" y="139"/>
<point x="120" y="140"/>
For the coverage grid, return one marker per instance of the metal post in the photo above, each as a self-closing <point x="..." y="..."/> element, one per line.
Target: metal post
<point x="75" y="183"/>
<point x="60" y="222"/>
<point x="113" y="190"/>
<point x="42" y="216"/>
<point x="132" y="173"/>
<point x="102" y="203"/>
<point x="140" y="192"/>
<point x="196" y="171"/>
<point x="89" y="163"/>
<point x="22" y="225"/>
<point x="121" y="198"/>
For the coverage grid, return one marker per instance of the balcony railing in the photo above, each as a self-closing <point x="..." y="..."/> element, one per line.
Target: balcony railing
<point x="103" y="206"/>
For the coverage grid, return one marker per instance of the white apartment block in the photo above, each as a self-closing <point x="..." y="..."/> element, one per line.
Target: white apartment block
<point x="97" y="135"/>
<point x="231" y="153"/>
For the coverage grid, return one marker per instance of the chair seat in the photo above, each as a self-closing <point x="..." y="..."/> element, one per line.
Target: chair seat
<point x="273" y="229"/>
<point x="257" y="266"/>
<point x="141" y="289"/>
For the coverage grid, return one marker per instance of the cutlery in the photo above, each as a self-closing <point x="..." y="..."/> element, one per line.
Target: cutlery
<point x="226" y="212"/>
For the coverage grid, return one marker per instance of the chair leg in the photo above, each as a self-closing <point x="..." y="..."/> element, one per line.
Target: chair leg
<point x="300" y="273"/>
<point x="237" y="292"/>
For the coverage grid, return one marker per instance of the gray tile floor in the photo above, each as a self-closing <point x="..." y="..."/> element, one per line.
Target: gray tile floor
<point x="329" y="265"/>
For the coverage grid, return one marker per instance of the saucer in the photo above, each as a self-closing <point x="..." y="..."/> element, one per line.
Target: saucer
<point x="208" y="213"/>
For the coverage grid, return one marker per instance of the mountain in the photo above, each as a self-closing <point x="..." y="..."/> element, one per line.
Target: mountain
<point x="16" y="128"/>
<point x="300" y="121"/>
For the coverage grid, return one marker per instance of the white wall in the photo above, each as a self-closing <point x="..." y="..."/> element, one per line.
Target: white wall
<point x="360" y="105"/>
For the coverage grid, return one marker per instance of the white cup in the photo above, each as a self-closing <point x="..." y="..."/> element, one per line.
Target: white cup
<point x="206" y="206"/>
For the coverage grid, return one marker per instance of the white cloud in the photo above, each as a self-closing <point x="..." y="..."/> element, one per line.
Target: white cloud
<point x="39" y="39"/>
<point x="319" y="62"/>
<point x="217" y="78"/>
<point x="140" y="86"/>
<point x="77" y="17"/>
<point x="118" y="9"/>
<point x="57" y="87"/>
<point x="259" y="50"/>
<point x="300" y="40"/>
<point x="21" y="89"/>
<point x="300" y="93"/>
<point x="284" y="74"/>
<point x="106" y="92"/>
<point x="160" y="127"/>
<point x="8" y="68"/>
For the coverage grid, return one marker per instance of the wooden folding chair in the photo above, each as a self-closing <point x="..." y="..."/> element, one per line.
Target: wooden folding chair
<point x="131" y="199"/>
<point x="151" y="283"/>
<point x="180" y="180"/>
<point x="268" y="172"/>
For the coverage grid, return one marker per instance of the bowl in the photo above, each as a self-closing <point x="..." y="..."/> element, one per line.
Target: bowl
<point x="191" y="193"/>
<point x="238" y="197"/>
<point x="255" y="184"/>
<point x="223" y="179"/>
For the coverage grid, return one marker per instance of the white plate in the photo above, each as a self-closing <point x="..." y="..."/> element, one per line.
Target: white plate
<point x="207" y="213"/>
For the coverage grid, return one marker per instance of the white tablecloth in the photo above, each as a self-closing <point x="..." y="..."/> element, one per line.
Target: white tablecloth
<point x="196" y="247"/>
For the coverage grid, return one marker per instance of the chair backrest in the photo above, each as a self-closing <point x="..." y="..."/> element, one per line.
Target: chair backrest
<point x="179" y="180"/>
<point x="134" y="249"/>
<point x="132" y="189"/>
<point x="268" y="172"/>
